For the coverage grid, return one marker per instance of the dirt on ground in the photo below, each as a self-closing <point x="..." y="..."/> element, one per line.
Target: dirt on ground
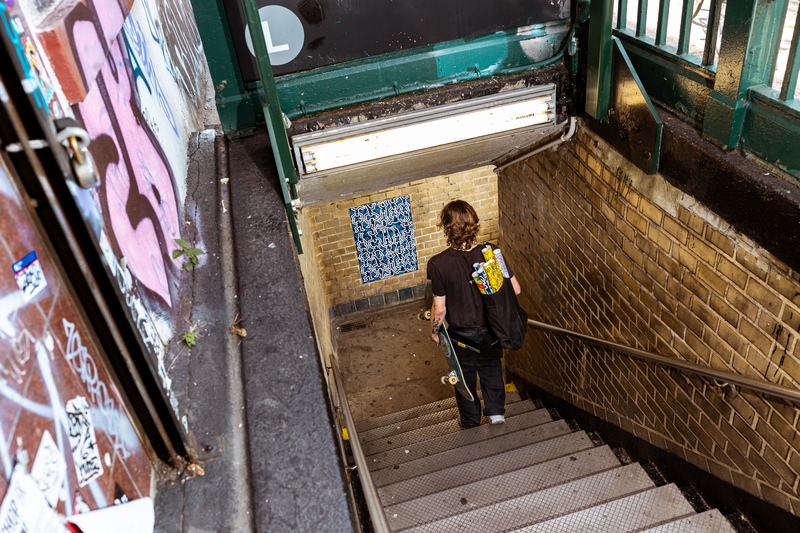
<point x="388" y="361"/>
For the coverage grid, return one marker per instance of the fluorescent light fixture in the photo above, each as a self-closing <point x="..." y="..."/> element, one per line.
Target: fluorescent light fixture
<point x="355" y="144"/>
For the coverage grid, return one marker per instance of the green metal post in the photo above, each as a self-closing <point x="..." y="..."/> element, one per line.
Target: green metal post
<point x="599" y="57"/>
<point x="273" y="116"/>
<point x="746" y="57"/>
<point x="622" y="14"/>
<point x="685" y="32"/>
<point x="641" y="19"/>
<point x="663" y="20"/>
<point x="234" y="105"/>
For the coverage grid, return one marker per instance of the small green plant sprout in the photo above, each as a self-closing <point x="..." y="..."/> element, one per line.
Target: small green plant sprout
<point x="190" y="337"/>
<point x="191" y="253"/>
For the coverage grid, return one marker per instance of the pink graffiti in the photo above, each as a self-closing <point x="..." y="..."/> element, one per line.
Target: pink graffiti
<point x="88" y="48"/>
<point x="132" y="199"/>
<point x="111" y="17"/>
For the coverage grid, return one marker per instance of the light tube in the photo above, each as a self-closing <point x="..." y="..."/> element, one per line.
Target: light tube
<point x="360" y="143"/>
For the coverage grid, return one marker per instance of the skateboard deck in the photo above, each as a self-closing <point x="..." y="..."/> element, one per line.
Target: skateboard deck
<point x="455" y="377"/>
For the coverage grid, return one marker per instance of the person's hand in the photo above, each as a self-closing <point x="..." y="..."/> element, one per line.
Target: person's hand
<point x="435" y="337"/>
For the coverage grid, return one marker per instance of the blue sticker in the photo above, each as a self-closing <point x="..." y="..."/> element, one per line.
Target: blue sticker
<point x="22" y="263"/>
<point x="384" y="236"/>
<point x="29" y="276"/>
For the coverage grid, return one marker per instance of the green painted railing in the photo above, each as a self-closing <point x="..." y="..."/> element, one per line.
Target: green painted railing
<point x="271" y="108"/>
<point x="730" y="68"/>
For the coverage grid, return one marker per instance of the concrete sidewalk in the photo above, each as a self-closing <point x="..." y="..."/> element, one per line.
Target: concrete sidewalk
<point x="258" y="405"/>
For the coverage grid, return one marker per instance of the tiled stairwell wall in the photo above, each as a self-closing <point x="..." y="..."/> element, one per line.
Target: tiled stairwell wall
<point x="606" y="250"/>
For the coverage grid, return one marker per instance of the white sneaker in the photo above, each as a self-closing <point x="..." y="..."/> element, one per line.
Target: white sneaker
<point x="497" y="419"/>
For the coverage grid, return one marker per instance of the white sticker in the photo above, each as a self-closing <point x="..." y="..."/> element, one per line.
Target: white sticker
<point x="82" y="441"/>
<point x="137" y="516"/>
<point x="49" y="469"/>
<point x="29" y="275"/>
<point x="24" y="507"/>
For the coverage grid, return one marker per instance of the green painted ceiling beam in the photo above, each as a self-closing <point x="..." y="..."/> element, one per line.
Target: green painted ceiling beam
<point x="370" y="78"/>
<point x="419" y="69"/>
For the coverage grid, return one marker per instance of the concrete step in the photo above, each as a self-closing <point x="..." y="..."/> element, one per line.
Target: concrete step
<point x="430" y="419"/>
<point x="439" y="439"/>
<point x="420" y="410"/>
<point x="540" y="505"/>
<point x="628" y="514"/>
<point x="490" y="466"/>
<point x="466" y="454"/>
<point x="708" y="522"/>
<point x="479" y="492"/>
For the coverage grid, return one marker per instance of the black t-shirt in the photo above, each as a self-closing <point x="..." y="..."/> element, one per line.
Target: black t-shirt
<point x="450" y="273"/>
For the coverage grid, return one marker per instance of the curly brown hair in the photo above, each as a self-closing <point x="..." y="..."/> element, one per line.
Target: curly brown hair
<point x="460" y="224"/>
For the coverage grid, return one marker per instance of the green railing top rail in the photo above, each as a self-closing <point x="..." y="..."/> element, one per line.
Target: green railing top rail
<point x="728" y="378"/>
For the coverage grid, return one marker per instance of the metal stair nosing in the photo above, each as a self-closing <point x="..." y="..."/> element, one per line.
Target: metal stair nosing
<point x="710" y="521"/>
<point x="419" y="410"/>
<point x="484" y="492"/>
<point x="541" y="453"/>
<point x="396" y="428"/>
<point x="464" y="454"/>
<point x="628" y="514"/>
<point x="545" y="504"/>
<point x="441" y="441"/>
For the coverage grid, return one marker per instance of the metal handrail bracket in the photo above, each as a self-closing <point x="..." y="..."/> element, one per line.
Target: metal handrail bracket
<point x="759" y="385"/>
<point x="376" y="514"/>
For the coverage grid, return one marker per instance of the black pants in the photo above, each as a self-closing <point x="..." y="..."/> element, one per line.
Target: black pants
<point x="488" y="365"/>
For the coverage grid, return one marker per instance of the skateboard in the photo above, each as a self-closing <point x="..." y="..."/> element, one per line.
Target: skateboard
<point x="455" y="377"/>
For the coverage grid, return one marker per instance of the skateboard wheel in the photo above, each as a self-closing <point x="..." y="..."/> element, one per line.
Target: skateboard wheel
<point x="445" y="380"/>
<point x="452" y="380"/>
<point x="427" y="314"/>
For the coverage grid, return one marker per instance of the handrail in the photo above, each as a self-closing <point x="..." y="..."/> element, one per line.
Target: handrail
<point x="376" y="514"/>
<point x="759" y="385"/>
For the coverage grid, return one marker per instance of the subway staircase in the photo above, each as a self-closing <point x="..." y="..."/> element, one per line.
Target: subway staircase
<point x="533" y="473"/>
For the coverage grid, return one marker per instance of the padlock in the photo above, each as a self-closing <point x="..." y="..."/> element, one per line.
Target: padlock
<point x="76" y="140"/>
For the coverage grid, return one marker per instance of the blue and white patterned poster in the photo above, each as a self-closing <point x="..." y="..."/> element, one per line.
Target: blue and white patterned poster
<point x="384" y="234"/>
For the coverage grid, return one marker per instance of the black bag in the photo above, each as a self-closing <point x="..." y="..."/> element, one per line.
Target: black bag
<point x="507" y="320"/>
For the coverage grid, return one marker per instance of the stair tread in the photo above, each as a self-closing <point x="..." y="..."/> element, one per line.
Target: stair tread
<point x="495" y="465"/>
<point x="431" y="419"/>
<point x="710" y="521"/>
<point x="465" y="454"/>
<point x="441" y="441"/>
<point x="480" y="492"/>
<point x="420" y="410"/>
<point x="628" y="514"/>
<point x="543" y="504"/>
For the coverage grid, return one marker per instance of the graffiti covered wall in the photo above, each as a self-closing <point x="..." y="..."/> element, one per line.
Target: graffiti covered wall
<point x="133" y="73"/>
<point x="59" y="409"/>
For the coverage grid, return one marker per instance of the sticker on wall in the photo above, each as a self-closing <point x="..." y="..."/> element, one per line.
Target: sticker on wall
<point x="29" y="276"/>
<point x="25" y="507"/>
<point x="384" y="235"/>
<point x="49" y="469"/>
<point x="83" y="441"/>
<point x="137" y="516"/>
